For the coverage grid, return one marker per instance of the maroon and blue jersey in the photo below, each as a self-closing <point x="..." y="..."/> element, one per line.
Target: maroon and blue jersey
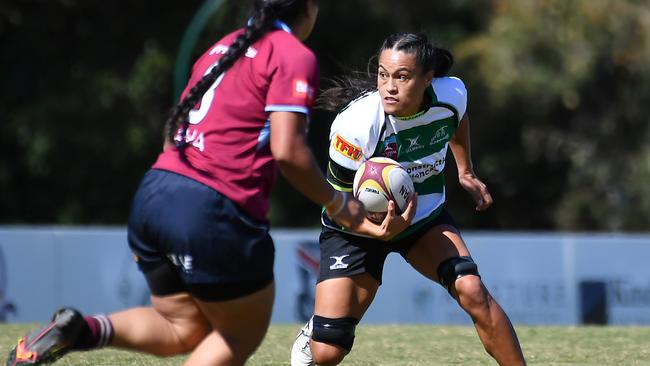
<point x="227" y="141"/>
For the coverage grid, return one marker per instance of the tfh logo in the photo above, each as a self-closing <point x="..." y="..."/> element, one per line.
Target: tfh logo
<point x="347" y="149"/>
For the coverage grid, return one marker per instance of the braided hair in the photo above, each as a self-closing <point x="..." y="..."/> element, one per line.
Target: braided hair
<point x="265" y="13"/>
<point x="347" y="89"/>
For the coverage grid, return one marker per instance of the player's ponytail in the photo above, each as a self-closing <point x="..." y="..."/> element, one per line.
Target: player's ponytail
<point x="265" y="13"/>
<point x="444" y="61"/>
<point x="346" y="89"/>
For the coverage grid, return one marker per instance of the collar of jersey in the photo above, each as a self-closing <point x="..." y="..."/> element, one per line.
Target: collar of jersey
<point x="413" y="116"/>
<point x="282" y="25"/>
<point x="277" y="23"/>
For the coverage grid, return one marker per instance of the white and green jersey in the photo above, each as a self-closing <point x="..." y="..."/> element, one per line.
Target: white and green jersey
<point x="419" y="143"/>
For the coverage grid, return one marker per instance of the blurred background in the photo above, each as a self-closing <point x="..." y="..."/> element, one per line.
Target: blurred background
<point x="558" y="100"/>
<point x="559" y="94"/>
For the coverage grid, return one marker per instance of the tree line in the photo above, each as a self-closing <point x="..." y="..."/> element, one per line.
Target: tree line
<point x="558" y="98"/>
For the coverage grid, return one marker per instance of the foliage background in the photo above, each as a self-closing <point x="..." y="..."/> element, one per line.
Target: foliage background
<point x="559" y="94"/>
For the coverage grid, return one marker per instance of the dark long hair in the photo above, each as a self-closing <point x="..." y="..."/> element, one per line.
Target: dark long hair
<point x="265" y="13"/>
<point x="346" y="89"/>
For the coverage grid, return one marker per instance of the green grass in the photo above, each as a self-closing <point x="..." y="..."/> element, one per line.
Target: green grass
<point x="418" y="345"/>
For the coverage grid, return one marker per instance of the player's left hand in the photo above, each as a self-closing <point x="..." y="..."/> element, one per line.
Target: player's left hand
<point x="395" y="223"/>
<point x="477" y="189"/>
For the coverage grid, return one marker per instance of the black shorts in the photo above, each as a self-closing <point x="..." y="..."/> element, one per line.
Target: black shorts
<point x="187" y="237"/>
<point x="345" y="255"/>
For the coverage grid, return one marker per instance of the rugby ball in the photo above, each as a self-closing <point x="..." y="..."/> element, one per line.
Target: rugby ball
<point x="379" y="180"/>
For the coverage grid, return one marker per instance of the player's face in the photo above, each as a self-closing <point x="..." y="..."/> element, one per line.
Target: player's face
<point x="401" y="83"/>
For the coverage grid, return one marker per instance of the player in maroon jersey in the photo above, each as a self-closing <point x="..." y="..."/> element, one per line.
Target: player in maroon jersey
<point x="198" y="226"/>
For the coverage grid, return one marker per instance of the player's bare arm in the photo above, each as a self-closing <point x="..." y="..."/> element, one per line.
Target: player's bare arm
<point x="297" y="164"/>
<point x="461" y="148"/>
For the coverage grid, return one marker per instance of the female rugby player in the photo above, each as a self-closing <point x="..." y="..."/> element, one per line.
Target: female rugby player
<point x="412" y="114"/>
<point x="198" y="225"/>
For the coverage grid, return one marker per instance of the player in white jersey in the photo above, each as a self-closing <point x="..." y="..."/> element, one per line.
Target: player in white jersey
<point x="413" y="114"/>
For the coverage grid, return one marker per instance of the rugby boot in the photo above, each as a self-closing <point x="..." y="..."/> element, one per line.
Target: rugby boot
<point x="49" y="343"/>
<point x="300" y="351"/>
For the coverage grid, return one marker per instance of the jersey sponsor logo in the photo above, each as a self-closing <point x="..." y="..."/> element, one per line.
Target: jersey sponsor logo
<point x="346" y="148"/>
<point x="419" y="173"/>
<point x="338" y="262"/>
<point x="302" y="89"/>
<point x="220" y="49"/>
<point x="390" y="147"/>
<point x="439" y="136"/>
<point x="414" y="144"/>
<point x="185" y="262"/>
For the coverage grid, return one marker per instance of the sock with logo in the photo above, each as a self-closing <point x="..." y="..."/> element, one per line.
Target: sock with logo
<point x="97" y="333"/>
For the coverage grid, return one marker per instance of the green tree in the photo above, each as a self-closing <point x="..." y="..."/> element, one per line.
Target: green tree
<point x="557" y="98"/>
<point x="564" y="88"/>
<point x="85" y="88"/>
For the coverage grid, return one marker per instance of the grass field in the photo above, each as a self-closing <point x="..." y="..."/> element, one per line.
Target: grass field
<point x="418" y="345"/>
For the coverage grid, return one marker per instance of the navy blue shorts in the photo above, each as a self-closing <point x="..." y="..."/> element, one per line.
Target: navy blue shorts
<point x="346" y="255"/>
<point x="187" y="237"/>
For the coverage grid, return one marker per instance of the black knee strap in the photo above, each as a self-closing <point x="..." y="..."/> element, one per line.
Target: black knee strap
<point x="339" y="331"/>
<point x="455" y="267"/>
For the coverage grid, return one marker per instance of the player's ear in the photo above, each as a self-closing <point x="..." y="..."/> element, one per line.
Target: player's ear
<point x="428" y="77"/>
<point x="310" y="6"/>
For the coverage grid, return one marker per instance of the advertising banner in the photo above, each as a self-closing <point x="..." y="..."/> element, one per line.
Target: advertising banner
<point x="538" y="278"/>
